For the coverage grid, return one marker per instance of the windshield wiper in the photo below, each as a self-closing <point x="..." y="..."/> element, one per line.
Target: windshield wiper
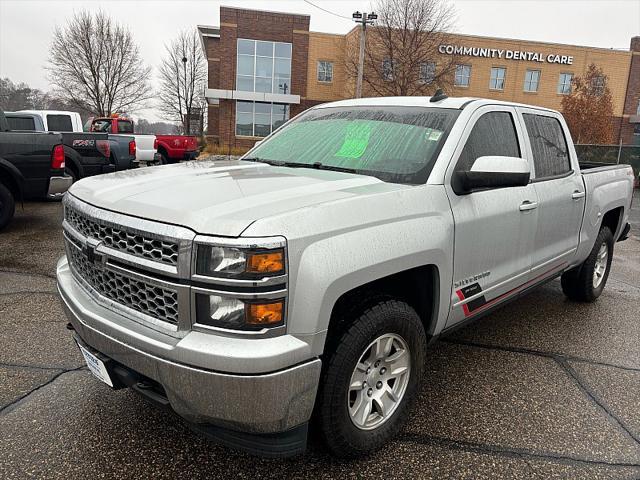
<point x="315" y="166"/>
<point x="321" y="166"/>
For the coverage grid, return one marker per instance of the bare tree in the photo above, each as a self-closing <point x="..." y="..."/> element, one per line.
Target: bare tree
<point x="96" y="66"/>
<point x="401" y="54"/>
<point x="588" y="109"/>
<point x="183" y="76"/>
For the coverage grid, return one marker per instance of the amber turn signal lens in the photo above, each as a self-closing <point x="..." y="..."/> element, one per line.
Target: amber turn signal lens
<point x="271" y="262"/>
<point x="264" y="313"/>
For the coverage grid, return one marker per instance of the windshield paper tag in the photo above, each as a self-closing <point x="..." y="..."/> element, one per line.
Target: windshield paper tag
<point x="435" y="135"/>
<point x="355" y="141"/>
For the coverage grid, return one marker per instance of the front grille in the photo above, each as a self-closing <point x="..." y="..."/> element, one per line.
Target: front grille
<point x="157" y="302"/>
<point x="122" y="239"/>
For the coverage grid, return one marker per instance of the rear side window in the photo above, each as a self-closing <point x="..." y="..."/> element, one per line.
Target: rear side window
<point x="549" y="145"/>
<point x="125" y="126"/>
<point x="493" y="134"/>
<point x="21" y="123"/>
<point x="59" y="123"/>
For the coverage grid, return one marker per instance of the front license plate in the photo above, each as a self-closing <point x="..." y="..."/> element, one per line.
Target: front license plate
<point x="96" y="366"/>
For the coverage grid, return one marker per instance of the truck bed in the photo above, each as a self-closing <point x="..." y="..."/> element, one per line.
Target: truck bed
<point x="593" y="167"/>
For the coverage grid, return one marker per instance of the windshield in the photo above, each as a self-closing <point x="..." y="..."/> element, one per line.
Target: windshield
<point x="395" y="144"/>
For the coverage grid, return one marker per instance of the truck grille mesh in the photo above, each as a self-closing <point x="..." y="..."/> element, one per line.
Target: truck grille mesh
<point x="118" y="238"/>
<point x="157" y="302"/>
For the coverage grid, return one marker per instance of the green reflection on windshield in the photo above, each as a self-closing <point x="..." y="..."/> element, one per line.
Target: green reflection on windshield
<point x="356" y="140"/>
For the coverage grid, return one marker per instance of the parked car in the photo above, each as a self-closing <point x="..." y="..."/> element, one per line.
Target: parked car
<point x="86" y="154"/>
<point x="170" y="148"/>
<point x="31" y="167"/>
<point x="145" y="144"/>
<point x="174" y="148"/>
<point x="310" y="275"/>
<point x="89" y="154"/>
<point x="58" y="120"/>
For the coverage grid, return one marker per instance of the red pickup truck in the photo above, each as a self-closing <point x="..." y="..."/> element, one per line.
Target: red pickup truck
<point x="170" y="148"/>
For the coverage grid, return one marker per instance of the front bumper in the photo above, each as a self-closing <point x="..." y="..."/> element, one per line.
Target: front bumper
<point x="58" y="186"/>
<point x="264" y="403"/>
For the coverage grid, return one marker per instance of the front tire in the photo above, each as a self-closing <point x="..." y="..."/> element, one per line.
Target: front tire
<point x="586" y="282"/>
<point x="7" y="206"/>
<point x="371" y="376"/>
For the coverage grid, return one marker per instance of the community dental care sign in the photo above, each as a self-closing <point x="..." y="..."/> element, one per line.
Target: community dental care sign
<point x="505" y="54"/>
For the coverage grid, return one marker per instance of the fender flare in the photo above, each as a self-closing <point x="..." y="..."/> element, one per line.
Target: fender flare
<point x="11" y="170"/>
<point x="73" y="157"/>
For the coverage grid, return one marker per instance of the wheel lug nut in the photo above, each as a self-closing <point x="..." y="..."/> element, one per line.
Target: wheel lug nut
<point x="383" y="371"/>
<point x="368" y="370"/>
<point x="379" y="385"/>
<point x="364" y="385"/>
<point x="370" y="392"/>
<point x="377" y="363"/>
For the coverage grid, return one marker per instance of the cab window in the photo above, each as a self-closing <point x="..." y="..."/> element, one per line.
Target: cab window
<point x="493" y="134"/>
<point x="125" y="126"/>
<point x="59" y="123"/>
<point x="549" y="146"/>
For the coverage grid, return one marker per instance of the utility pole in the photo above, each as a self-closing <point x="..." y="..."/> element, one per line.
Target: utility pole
<point x="363" y="19"/>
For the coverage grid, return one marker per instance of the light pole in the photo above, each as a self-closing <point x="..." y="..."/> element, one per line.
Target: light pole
<point x="186" y="122"/>
<point x="363" y="19"/>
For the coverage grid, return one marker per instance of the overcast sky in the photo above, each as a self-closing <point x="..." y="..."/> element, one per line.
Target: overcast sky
<point x="26" y="25"/>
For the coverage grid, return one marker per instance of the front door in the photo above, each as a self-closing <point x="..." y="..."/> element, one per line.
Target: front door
<point x="494" y="228"/>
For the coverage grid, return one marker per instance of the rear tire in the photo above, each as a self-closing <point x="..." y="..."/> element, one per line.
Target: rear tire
<point x="7" y="206"/>
<point x="357" y="420"/>
<point x="164" y="159"/>
<point x="586" y="282"/>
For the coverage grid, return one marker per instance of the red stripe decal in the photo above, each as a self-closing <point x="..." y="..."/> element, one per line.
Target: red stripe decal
<point x="513" y="291"/>
<point x="465" y="307"/>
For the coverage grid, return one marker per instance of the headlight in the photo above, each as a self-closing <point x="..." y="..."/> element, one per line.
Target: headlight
<point x="235" y="314"/>
<point x="223" y="261"/>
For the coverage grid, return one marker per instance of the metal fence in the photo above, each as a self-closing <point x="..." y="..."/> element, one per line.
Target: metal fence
<point x="629" y="154"/>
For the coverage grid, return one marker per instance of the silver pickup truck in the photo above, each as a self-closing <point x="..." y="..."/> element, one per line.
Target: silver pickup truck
<point x="302" y="283"/>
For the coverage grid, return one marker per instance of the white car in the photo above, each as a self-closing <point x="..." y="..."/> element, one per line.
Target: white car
<point x="58" y="120"/>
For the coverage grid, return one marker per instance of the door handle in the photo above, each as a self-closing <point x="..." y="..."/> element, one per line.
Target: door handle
<point x="577" y="195"/>
<point x="528" y="205"/>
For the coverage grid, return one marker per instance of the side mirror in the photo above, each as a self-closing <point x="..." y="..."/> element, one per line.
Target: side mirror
<point x="492" y="172"/>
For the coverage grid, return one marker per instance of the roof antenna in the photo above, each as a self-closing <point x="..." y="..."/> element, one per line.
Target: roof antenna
<point x="439" y="95"/>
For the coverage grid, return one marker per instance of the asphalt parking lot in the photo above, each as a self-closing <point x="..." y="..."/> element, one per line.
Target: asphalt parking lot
<point x="543" y="388"/>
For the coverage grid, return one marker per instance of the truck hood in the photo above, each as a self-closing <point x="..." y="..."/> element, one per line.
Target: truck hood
<point x="219" y="197"/>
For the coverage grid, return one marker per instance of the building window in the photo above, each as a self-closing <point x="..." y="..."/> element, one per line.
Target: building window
<point x="564" y="83"/>
<point x="531" y="80"/>
<point x="387" y="69"/>
<point x="263" y="66"/>
<point x="325" y="71"/>
<point x="638" y="109"/>
<point x="597" y="84"/>
<point x="463" y="75"/>
<point x="427" y="72"/>
<point x="496" y="81"/>
<point x="259" y="119"/>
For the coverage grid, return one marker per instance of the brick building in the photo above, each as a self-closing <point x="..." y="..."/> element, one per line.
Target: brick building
<point x="265" y="67"/>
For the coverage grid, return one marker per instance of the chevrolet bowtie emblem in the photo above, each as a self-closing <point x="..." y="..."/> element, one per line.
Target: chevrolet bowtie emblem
<point x="89" y="251"/>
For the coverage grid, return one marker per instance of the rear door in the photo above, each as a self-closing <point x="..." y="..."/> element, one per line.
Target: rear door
<point x="560" y="190"/>
<point x="494" y="228"/>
